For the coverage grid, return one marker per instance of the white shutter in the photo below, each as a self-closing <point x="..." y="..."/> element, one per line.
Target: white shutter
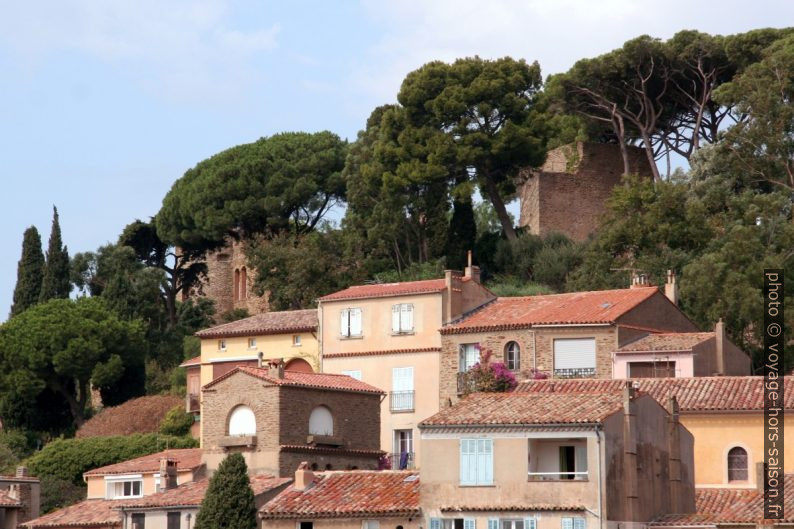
<point x="574" y="353"/>
<point x="395" y="319"/>
<point x="579" y="523"/>
<point x="407" y="317"/>
<point x="493" y="523"/>
<point x="567" y="523"/>
<point x="344" y="322"/>
<point x="468" y="461"/>
<point x="484" y="462"/>
<point x="469" y="523"/>
<point x="530" y="523"/>
<point x="354" y="373"/>
<point x="402" y="379"/>
<point x="435" y="523"/>
<point x="355" y="322"/>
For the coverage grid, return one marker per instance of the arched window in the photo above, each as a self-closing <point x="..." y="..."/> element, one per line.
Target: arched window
<point x="236" y="286"/>
<point x="243" y="284"/>
<point x="321" y="422"/>
<point x="513" y="356"/>
<point x="242" y="421"/>
<point x="737" y="464"/>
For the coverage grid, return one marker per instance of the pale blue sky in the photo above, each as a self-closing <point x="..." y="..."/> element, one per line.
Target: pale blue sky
<point x="103" y="104"/>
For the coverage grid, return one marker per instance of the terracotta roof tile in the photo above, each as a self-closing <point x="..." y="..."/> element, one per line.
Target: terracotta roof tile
<point x="379" y="290"/>
<point x="191" y="494"/>
<point x="88" y="513"/>
<point x="195" y="361"/>
<point x="266" y="323"/>
<point x="141" y="415"/>
<point x="349" y="494"/>
<point x="698" y="394"/>
<point x="669" y="341"/>
<point x="186" y="458"/>
<point x="330" y="450"/>
<point x="514" y="507"/>
<point x="731" y="507"/>
<point x="7" y="501"/>
<point x="596" y="307"/>
<point x="384" y="352"/>
<point x="308" y="380"/>
<point x="529" y="408"/>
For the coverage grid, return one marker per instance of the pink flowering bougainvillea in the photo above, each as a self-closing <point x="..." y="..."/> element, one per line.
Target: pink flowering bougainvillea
<point x="489" y="377"/>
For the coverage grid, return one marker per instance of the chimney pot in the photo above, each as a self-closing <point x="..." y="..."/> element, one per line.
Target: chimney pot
<point x="168" y="474"/>
<point x="304" y="476"/>
<point x="22" y="472"/>
<point x="276" y="368"/>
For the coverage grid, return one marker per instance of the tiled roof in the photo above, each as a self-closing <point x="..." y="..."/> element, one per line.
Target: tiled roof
<point x="349" y="494"/>
<point x="195" y="361"/>
<point x="595" y="307"/>
<point x="186" y="459"/>
<point x="381" y="290"/>
<point x="191" y="494"/>
<point x="88" y="513"/>
<point x="384" y="352"/>
<point x="330" y="450"/>
<point x="141" y="415"/>
<point x="668" y="341"/>
<point x="7" y="501"/>
<point x="528" y="408"/>
<point x="307" y="380"/>
<point x="698" y="394"/>
<point x="266" y="323"/>
<point x="514" y="507"/>
<point x="731" y="507"/>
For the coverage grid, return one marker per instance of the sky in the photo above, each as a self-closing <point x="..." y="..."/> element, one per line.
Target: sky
<point x="104" y="104"/>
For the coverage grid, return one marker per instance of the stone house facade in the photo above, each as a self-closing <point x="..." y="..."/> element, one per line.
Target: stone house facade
<point x="568" y="193"/>
<point x="20" y="498"/>
<point x="278" y="418"/>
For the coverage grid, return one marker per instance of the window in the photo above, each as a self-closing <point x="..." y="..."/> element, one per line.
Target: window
<point x="296" y="340"/>
<point x="476" y="462"/>
<point x="452" y="523"/>
<point x="526" y="523"/>
<point x="575" y="522"/>
<point x="469" y="355"/>
<point x="370" y="524"/>
<point x="403" y="456"/>
<point x="242" y="421"/>
<point x="355" y="373"/>
<point x="221" y="345"/>
<point x="138" y="520"/>
<point x="305" y="525"/>
<point x="321" y="422"/>
<point x="252" y="343"/>
<point x="574" y="357"/>
<point x="402" y="384"/>
<point x="173" y="520"/>
<point x="737" y="464"/>
<point x="402" y="318"/>
<point x="350" y="323"/>
<point x="119" y="488"/>
<point x="513" y="356"/>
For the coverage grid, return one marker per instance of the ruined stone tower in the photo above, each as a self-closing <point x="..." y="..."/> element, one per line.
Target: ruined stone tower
<point x="568" y="193"/>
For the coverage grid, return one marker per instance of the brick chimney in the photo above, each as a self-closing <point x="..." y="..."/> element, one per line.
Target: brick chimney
<point x="671" y="287"/>
<point x="453" y="296"/>
<point x="276" y="368"/>
<point x="168" y="477"/>
<point x="472" y="272"/>
<point x="304" y="477"/>
<point x="719" y="340"/>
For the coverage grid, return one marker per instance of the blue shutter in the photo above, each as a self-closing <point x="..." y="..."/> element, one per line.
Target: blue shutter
<point x="468" y="462"/>
<point x="469" y="523"/>
<point x="493" y="523"/>
<point x="435" y="523"/>
<point x="484" y="461"/>
<point x="567" y="523"/>
<point x="530" y="523"/>
<point x="579" y="523"/>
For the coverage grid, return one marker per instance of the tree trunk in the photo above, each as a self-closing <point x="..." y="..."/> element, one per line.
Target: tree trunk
<point x="76" y="406"/>
<point x="646" y="142"/>
<point x="501" y="210"/>
<point x="620" y="132"/>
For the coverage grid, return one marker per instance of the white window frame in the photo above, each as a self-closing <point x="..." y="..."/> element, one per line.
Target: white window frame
<point x="370" y="524"/>
<point x="573" y="522"/>
<point x="463" y="356"/>
<point x="296" y="340"/>
<point x="575" y="363"/>
<point x="517" y="357"/>
<point x="402" y="318"/>
<point x="247" y="431"/>
<point x="353" y="373"/>
<point x="222" y="344"/>
<point x="346" y="322"/>
<point x="252" y="343"/>
<point x="112" y="481"/>
<point x="476" y="462"/>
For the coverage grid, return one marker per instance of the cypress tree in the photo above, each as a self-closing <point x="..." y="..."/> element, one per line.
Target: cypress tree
<point x="229" y="501"/>
<point x="56" y="283"/>
<point x="30" y="272"/>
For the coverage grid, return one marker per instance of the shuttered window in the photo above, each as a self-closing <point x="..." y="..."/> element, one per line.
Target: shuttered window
<point x="476" y="462"/>
<point x="469" y="355"/>
<point x="350" y="322"/>
<point x="574" y="356"/>
<point x="402" y="318"/>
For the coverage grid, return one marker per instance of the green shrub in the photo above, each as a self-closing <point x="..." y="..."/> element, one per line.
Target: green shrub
<point x="176" y="422"/>
<point x="57" y="493"/>
<point x="68" y="459"/>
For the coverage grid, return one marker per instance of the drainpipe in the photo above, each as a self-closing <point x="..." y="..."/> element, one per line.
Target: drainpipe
<point x="600" y="505"/>
<point x="534" y="353"/>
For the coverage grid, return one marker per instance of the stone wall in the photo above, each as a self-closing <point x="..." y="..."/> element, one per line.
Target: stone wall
<point x="568" y="194"/>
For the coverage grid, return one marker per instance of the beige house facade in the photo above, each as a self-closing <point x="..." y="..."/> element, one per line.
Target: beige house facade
<point x="388" y="336"/>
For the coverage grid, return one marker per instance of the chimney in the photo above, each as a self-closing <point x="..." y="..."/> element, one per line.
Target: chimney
<point x="671" y="287"/>
<point x="276" y="368"/>
<point x="22" y="472"/>
<point x="259" y="359"/>
<point x="168" y="477"/>
<point x="639" y="280"/>
<point x="453" y="304"/>
<point x="719" y="340"/>
<point x="760" y="476"/>
<point x="472" y="272"/>
<point x="304" y="477"/>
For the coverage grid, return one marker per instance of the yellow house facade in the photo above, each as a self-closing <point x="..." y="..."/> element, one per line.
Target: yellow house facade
<point x="387" y="335"/>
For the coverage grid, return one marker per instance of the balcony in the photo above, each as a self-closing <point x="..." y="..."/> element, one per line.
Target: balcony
<point x="193" y="403"/>
<point x="403" y="461"/>
<point x="578" y="372"/>
<point x="557" y="476"/>
<point x="465" y="384"/>
<point x="401" y="401"/>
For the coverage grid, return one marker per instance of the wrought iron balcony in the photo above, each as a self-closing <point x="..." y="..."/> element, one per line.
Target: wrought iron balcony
<point x="578" y="372"/>
<point x="401" y="401"/>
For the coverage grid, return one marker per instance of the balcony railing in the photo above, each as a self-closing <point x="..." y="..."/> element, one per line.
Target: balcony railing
<point x="465" y="383"/>
<point x="578" y="372"/>
<point x="540" y="476"/>
<point x="401" y="401"/>
<point x="403" y="461"/>
<point x="193" y="403"/>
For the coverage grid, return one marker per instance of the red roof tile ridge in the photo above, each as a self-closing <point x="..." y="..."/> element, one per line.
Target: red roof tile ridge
<point x="373" y="290"/>
<point x="190" y="458"/>
<point x="293" y="378"/>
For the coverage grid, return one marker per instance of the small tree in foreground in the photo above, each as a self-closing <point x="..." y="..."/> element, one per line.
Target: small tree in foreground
<point x="229" y="501"/>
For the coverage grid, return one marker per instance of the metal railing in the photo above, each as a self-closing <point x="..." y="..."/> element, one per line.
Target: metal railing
<point x="403" y="461"/>
<point x="562" y="476"/>
<point x="401" y="401"/>
<point x="193" y="403"/>
<point x="577" y="372"/>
